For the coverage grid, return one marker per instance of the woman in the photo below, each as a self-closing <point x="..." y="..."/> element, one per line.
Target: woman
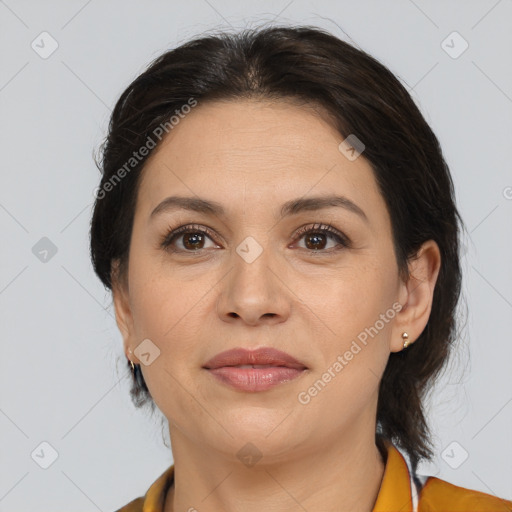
<point x="278" y="228"/>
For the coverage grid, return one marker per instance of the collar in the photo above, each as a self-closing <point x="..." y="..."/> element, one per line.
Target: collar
<point x="397" y="492"/>
<point x="155" y="497"/>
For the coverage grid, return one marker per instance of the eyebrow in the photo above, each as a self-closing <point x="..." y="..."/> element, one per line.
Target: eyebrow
<point x="293" y="207"/>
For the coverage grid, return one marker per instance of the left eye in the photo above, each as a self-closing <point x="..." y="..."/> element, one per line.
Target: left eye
<point x="316" y="238"/>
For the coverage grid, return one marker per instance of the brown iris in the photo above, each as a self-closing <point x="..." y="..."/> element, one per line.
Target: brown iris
<point x="193" y="241"/>
<point x="316" y="238"/>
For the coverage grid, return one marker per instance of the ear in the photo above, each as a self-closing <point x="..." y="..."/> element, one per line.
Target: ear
<point x="124" y="317"/>
<point x="416" y="295"/>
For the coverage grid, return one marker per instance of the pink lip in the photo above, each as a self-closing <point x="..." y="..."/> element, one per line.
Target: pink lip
<point x="280" y="368"/>
<point x="264" y="355"/>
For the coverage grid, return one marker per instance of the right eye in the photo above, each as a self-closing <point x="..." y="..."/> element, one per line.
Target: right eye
<point x="192" y="238"/>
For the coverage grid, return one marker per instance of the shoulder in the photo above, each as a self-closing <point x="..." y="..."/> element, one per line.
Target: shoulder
<point x="154" y="498"/>
<point x="134" y="506"/>
<point x="441" y="496"/>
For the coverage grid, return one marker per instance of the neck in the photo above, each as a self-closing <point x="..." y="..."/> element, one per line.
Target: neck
<point x="344" y="476"/>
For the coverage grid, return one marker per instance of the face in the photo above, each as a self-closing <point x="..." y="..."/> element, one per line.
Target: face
<point x="255" y="275"/>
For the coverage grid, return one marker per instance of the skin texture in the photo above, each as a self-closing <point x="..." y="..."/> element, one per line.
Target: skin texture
<point x="252" y="156"/>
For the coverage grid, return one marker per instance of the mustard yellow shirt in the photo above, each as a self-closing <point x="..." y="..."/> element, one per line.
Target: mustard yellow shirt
<point x="399" y="491"/>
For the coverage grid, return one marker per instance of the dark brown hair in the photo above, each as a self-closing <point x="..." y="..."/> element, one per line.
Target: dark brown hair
<point x="362" y="97"/>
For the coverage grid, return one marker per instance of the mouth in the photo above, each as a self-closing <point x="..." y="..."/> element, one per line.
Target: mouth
<point x="255" y="366"/>
<point x="257" y="370"/>
<point x="261" y="357"/>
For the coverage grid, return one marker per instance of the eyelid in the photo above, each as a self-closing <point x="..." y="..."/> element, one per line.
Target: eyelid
<point x="173" y="233"/>
<point x="325" y="228"/>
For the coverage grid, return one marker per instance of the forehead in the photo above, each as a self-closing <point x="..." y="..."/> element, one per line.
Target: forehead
<point x="260" y="150"/>
<point x="230" y="131"/>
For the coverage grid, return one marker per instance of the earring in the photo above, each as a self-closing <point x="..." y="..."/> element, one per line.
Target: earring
<point x="405" y="337"/>
<point x="137" y="374"/>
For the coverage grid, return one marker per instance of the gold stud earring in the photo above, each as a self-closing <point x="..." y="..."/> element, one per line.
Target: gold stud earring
<point x="405" y="337"/>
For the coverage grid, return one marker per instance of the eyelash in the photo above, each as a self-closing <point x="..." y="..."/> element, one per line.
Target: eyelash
<point x="172" y="235"/>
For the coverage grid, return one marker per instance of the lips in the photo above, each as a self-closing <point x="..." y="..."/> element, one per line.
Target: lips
<point x="254" y="370"/>
<point x="259" y="358"/>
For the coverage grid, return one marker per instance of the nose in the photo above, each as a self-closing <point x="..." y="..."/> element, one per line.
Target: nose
<point x="254" y="292"/>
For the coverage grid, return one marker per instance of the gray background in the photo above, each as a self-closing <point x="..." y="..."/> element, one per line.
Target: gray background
<point x="60" y="380"/>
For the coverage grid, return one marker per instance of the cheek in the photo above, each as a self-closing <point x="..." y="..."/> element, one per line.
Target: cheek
<point x="171" y="310"/>
<point x="167" y="315"/>
<point x="353" y="298"/>
<point x="358" y="308"/>
<point x="159" y="300"/>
